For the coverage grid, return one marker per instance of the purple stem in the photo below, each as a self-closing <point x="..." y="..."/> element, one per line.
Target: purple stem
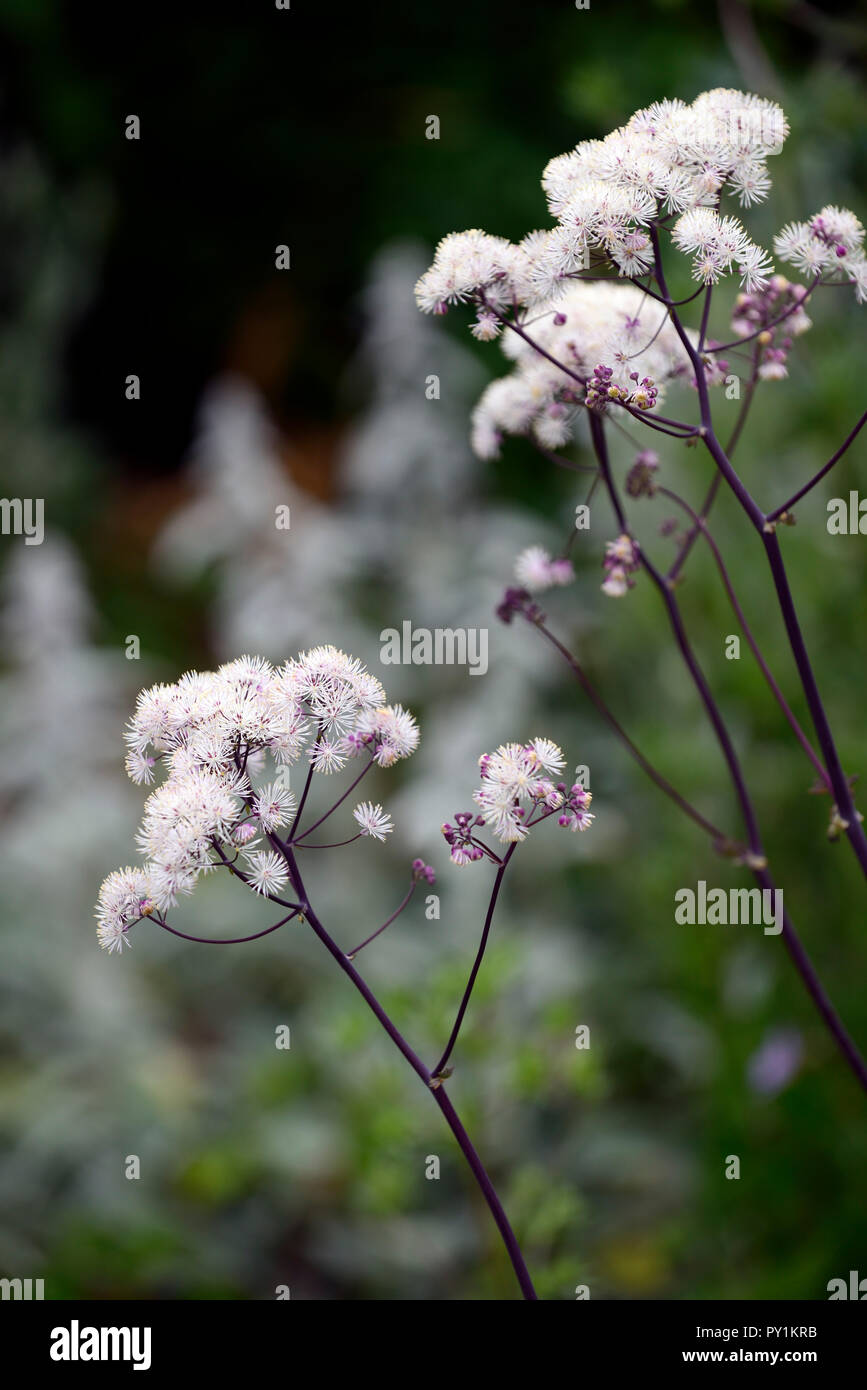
<point x="707" y="504"/>
<point x="336" y="844"/>
<point x="350" y="955"/>
<point x="758" y="863"/>
<point x="739" y="342"/>
<point x="229" y="864"/>
<point x="839" y="782"/>
<point x="316" y="824"/>
<point x="853" y="434"/>
<point x="753" y="644"/>
<point x="480" y="954"/>
<point x="717" y="836"/>
<point x="705" y="313"/>
<point x="225" y="940"/>
<point x="307" y="783"/>
<point x="598" y="436"/>
<point x="437" y="1089"/>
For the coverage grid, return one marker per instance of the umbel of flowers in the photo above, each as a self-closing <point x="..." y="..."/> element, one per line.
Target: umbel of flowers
<point x="222" y="738"/>
<point x="664" y="174"/>
<point x="517" y="793"/>
<point x="595" y="331"/>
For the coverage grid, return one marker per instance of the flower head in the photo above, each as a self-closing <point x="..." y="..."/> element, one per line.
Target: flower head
<point x="536" y="571"/>
<point x="274" y="805"/>
<point x="267" y="872"/>
<point x="390" y="733"/>
<point x="124" y="898"/>
<point x="516" y="793"/>
<point x="604" y="194"/>
<point x="608" y="335"/>
<point x="372" y="820"/>
<point x="213" y="733"/>
<point x="620" y="563"/>
<point x="830" y="245"/>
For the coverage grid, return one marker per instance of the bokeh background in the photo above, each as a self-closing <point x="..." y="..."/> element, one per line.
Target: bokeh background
<point x="305" y="1167"/>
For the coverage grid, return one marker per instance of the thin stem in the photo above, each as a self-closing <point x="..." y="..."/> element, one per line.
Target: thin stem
<point x="669" y="302"/>
<point x="705" y="314"/>
<point x="516" y="328"/>
<point x="433" y="1085"/>
<point x="480" y="954"/>
<point x="739" y="342"/>
<point x="747" y="401"/>
<point x="601" y="447"/>
<point x="693" y="534"/>
<point x="238" y="873"/>
<point x="225" y="940"/>
<point x="316" y="824"/>
<point x="756" y="860"/>
<point x="718" y="837"/>
<point x="839" y="782"/>
<point x="683" y="425"/>
<point x="713" y="490"/>
<point x="753" y="644"/>
<point x="817" y="477"/>
<point x="688" y="432"/>
<point x="337" y="844"/>
<point x="350" y="955"/>
<point x="307" y="784"/>
<point x="816" y="990"/>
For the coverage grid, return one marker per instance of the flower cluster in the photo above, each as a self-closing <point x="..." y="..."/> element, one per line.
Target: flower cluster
<point x="573" y="813"/>
<point x="465" y="849"/>
<point x="717" y="244"/>
<point x="214" y="733"/>
<point x="592" y="322"/>
<point x="773" y="316"/>
<point x="833" y="240"/>
<point x="620" y="563"/>
<point x="601" y="388"/>
<point x="516" y="793"/>
<point x="536" y="571"/>
<point x="605" y="194"/>
<point x="421" y="870"/>
<point x="124" y="898"/>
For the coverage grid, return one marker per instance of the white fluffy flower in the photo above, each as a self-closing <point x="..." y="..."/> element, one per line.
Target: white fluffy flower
<point x="718" y="243"/>
<point x="535" y="570"/>
<point x="274" y="805"/>
<point x="124" y="898"/>
<point x="213" y="732"/>
<point x="831" y="243"/>
<point x="472" y="263"/>
<point x="532" y="567"/>
<point x="511" y="778"/>
<point x="515" y="785"/>
<point x="267" y="872"/>
<point x="372" y="820"/>
<point x="391" y="732"/>
<point x="589" y="323"/>
<point x="669" y="157"/>
<point x="516" y="793"/>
